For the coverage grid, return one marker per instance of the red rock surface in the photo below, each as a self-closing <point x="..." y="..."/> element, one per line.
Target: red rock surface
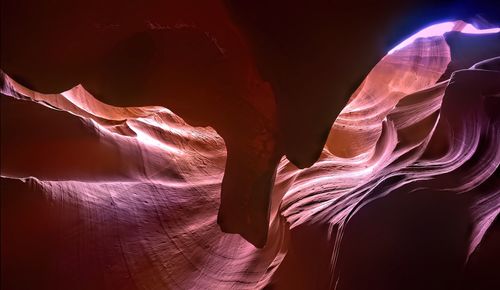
<point x="132" y="196"/>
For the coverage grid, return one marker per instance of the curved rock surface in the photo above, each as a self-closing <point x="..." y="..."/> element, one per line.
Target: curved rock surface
<point x="128" y="197"/>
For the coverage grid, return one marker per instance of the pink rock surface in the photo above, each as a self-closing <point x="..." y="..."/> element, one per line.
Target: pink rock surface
<point x="131" y="194"/>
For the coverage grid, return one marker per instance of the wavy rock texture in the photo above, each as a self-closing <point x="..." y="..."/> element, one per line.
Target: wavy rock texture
<point x="129" y="196"/>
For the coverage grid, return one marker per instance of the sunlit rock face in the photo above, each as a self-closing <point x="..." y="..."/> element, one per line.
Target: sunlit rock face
<point x="129" y="197"/>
